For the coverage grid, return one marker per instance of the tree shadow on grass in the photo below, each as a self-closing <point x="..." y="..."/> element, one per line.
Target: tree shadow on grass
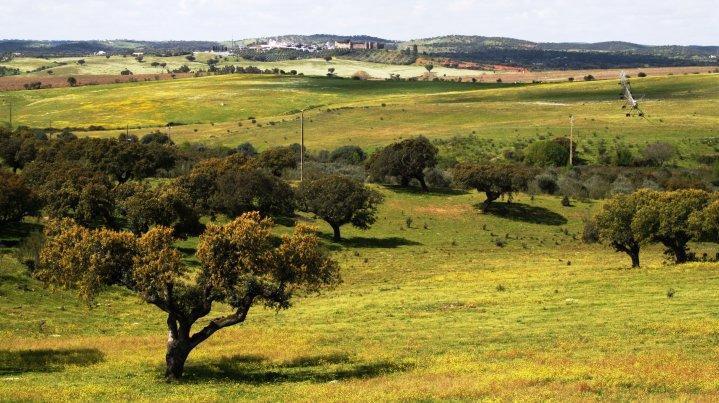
<point x="256" y="370"/>
<point x="525" y="213"/>
<point x="47" y="360"/>
<point x="367" y="242"/>
<point x="432" y="191"/>
<point x="11" y="234"/>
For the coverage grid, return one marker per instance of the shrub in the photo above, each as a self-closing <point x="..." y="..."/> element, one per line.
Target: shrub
<point x="659" y="153"/>
<point x="437" y="178"/>
<point x="547" y="183"/>
<point x="353" y="155"/>
<point x="247" y="149"/>
<point x="590" y="231"/>
<point x="16" y="199"/>
<point x="546" y="153"/>
<point x="277" y="159"/>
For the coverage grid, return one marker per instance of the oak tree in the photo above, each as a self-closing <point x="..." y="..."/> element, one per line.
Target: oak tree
<point x="494" y="180"/>
<point x="405" y="160"/>
<point x="242" y="264"/>
<point x="339" y="200"/>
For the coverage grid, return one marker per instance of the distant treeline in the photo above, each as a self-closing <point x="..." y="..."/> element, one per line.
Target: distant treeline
<point x="82" y="48"/>
<point x="550" y="59"/>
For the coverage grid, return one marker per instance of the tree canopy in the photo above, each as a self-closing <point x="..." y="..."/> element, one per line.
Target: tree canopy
<point x="339" y="200"/>
<point x="241" y="264"/>
<point x="494" y="180"/>
<point x="405" y="160"/>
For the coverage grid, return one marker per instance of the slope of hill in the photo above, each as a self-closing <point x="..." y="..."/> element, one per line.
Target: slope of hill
<point x="317" y="39"/>
<point x="79" y="48"/>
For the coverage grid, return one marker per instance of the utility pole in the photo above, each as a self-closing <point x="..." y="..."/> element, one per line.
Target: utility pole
<point x="302" y="144"/>
<point x="571" y="138"/>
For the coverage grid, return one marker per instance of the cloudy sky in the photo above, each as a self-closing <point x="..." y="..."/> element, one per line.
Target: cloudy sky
<point x="642" y="21"/>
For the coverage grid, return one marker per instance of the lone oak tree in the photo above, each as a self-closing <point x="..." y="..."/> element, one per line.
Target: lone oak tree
<point x="242" y="264"/>
<point x="493" y="179"/>
<point x="614" y="222"/>
<point x="405" y="160"/>
<point x="665" y="216"/>
<point x="339" y="200"/>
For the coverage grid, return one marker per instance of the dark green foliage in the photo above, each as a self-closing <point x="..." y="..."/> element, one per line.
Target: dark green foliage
<point x="277" y="159"/>
<point x="405" y="160"/>
<point x="143" y="207"/>
<point x="247" y="149"/>
<point x="16" y="199"/>
<point x="70" y="190"/>
<point x="339" y="201"/>
<point x="623" y="156"/>
<point x="665" y="217"/>
<point x="494" y="180"/>
<point x="348" y="155"/>
<point x="547" y="153"/>
<point x="547" y="183"/>
<point x="248" y="189"/>
<point x="156" y="137"/>
<point x="614" y="223"/>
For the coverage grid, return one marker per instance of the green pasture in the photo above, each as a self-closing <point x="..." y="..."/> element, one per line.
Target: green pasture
<point x="457" y="305"/>
<point x="311" y="67"/>
<point x="217" y="110"/>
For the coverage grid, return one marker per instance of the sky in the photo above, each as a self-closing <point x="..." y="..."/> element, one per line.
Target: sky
<point x="653" y="22"/>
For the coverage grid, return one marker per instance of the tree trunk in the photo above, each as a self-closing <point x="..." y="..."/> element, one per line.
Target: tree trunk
<point x="635" y="258"/>
<point x="177" y="352"/>
<point x="680" y="254"/>
<point x="491" y="196"/>
<point x="423" y="184"/>
<point x="336" y="230"/>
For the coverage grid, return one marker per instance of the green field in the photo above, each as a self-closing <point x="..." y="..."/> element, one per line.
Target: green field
<point x="459" y="305"/>
<point x="310" y="67"/>
<point x="435" y="312"/>
<point x="216" y="110"/>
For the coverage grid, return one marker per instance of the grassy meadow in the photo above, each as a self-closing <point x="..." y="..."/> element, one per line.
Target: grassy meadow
<point x="217" y="110"/>
<point x="439" y="300"/>
<point x="96" y="65"/>
<point x="433" y="310"/>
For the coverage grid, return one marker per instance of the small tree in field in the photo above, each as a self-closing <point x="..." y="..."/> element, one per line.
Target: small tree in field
<point x="16" y="200"/>
<point x="339" y="201"/>
<point x="704" y="224"/>
<point x="494" y="180"/>
<point x="71" y="81"/>
<point x="405" y="160"/>
<point x="242" y="264"/>
<point x="665" y="217"/>
<point x="614" y="223"/>
<point x="429" y="67"/>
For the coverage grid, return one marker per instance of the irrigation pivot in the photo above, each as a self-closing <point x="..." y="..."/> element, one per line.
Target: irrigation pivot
<point x="629" y="101"/>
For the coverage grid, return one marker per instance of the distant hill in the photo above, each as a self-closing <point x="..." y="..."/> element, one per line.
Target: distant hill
<point x="467" y="43"/>
<point x="79" y="48"/>
<point x="317" y="39"/>
<point x="456" y="48"/>
<point x="538" y="55"/>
